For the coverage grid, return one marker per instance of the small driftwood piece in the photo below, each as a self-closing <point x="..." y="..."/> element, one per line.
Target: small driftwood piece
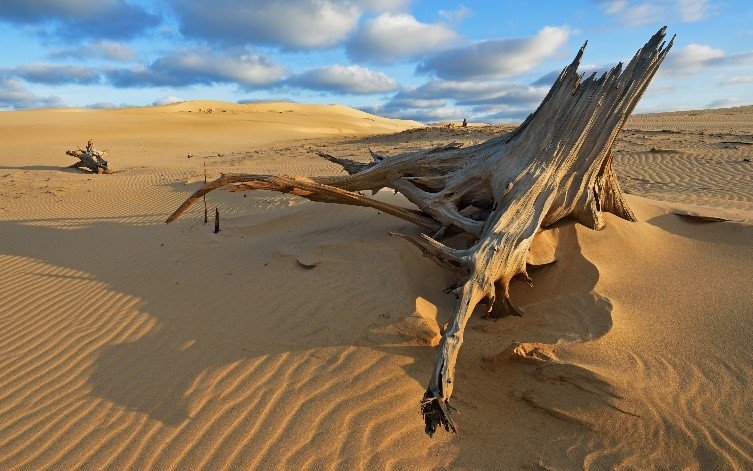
<point x="556" y="165"/>
<point x="90" y="158"/>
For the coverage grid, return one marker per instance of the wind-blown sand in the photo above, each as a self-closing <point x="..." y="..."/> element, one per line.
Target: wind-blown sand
<point x="301" y="335"/>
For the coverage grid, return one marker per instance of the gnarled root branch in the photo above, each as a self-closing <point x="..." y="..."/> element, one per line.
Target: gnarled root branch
<point x="436" y="412"/>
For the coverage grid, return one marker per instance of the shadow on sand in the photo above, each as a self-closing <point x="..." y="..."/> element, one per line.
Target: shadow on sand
<point x="254" y="300"/>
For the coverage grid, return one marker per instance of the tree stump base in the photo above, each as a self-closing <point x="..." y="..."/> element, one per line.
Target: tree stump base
<point x="556" y="165"/>
<point x="89" y="158"/>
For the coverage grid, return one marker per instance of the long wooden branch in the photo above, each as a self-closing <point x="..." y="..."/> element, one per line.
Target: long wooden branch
<point x="306" y="188"/>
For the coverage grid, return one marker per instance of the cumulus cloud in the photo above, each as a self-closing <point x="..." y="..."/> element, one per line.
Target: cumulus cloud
<point x="54" y="74"/>
<point x="291" y="24"/>
<point x="475" y="93"/>
<point x="390" y="37"/>
<point x="201" y="66"/>
<point x="350" y="79"/>
<point x="168" y="100"/>
<point x="108" y="50"/>
<point x="428" y="115"/>
<point x="692" y="59"/>
<point x="484" y="100"/>
<point x="695" y="58"/>
<point x="496" y="58"/>
<point x="14" y="95"/>
<point x="113" y="19"/>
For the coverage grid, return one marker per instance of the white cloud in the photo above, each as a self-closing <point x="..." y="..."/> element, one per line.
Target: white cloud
<point x="424" y="115"/>
<point x="691" y="59"/>
<point x="109" y="50"/>
<point x="201" y="66"/>
<point x="14" y="95"/>
<point x="496" y="58"/>
<point x="350" y="79"/>
<point x="54" y="74"/>
<point x="475" y="92"/>
<point x="291" y="24"/>
<point x="77" y="19"/>
<point x="168" y="100"/>
<point x="390" y="37"/>
<point x="479" y="100"/>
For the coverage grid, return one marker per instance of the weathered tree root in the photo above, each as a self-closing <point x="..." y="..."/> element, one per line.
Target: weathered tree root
<point x="89" y="158"/>
<point x="436" y="414"/>
<point x="556" y="165"/>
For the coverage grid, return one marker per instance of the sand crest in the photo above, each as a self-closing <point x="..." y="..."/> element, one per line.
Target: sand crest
<point x="301" y="336"/>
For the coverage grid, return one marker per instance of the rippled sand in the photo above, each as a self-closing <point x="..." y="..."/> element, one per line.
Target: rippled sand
<point x="301" y="335"/>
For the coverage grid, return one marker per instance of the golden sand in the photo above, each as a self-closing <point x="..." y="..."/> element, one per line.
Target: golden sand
<point x="300" y="336"/>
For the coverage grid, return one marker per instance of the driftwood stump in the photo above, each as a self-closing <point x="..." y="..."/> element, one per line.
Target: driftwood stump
<point x="89" y="158"/>
<point x="556" y="165"/>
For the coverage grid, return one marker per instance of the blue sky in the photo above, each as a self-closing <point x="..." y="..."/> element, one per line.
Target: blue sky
<point x="431" y="61"/>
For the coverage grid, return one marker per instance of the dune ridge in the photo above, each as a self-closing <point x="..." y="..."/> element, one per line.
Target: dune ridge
<point x="300" y="336"/>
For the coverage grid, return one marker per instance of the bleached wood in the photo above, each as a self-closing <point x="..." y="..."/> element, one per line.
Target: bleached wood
<point x="90" y="158"/>
<point x="556" y="165"/>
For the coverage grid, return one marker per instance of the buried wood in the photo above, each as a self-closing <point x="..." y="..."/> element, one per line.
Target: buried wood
<point x="89" y="158"/>
<point x="556" y="165"/>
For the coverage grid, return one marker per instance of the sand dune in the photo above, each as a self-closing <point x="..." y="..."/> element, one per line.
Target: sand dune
<point x="301" y="336"/>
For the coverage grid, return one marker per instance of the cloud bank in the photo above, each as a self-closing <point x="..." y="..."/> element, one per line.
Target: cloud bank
<point x="350" y="79"/>
<point x="107" y="19"/>
<point x="289" y="24"/>
<point x="14" y="95"/>
<point x="202" y="66"/>
<point x="496" y="58"/>
<point x="391" y="37"/>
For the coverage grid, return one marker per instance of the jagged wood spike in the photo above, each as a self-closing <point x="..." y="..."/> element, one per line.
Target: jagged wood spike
<point x="556" y="165"/>
<point x="350" y="166"/>
<point x="376" y="157"/>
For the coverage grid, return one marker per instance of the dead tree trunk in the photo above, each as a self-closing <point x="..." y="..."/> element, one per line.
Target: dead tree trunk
<point x="556" y="165"/>
<point x="89" y="158"/>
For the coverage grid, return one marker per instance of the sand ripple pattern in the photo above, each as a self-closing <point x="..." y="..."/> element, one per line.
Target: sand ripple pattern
<point x="702" y="158"/>
<point x="693" y="415"/>
<point x="279" y="343"/>
<point x="114" y="356"/>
